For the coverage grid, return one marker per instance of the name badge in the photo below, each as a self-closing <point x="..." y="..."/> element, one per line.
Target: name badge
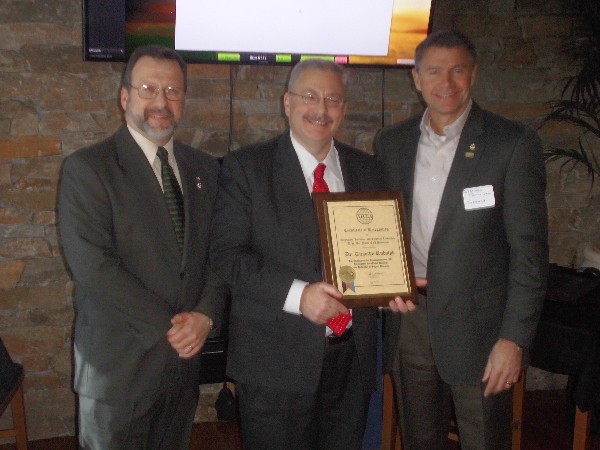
<point x="479" y="197"/>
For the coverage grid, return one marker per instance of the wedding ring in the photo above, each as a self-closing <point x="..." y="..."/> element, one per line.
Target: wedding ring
<point x="191" y="347"/>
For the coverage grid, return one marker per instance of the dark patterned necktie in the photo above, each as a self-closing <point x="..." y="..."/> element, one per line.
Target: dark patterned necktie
<point x="173" y="195"/>
<point x="337" y="324"/>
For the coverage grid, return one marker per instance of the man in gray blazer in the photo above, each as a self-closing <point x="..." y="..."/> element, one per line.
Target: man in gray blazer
<point x="474" y="186"/>
<point x="144" y="297"/>
<point x="299" y="385"/>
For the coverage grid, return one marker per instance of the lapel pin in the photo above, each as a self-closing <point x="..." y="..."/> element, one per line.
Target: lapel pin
<point x="471" y="152"/>
<point x="198" y="183"/>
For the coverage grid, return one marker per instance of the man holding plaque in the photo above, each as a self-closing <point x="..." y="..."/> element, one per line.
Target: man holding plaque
<point x="473" y="186"/>
<point x="299" y="384"/>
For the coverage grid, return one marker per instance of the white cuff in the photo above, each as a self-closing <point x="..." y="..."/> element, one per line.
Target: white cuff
<point x="292" y="301"/>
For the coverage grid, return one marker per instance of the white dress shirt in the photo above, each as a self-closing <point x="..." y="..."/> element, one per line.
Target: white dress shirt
<point x="435" y="154"/>
<point x="150" y="150"/>
<point x="334" y="179"/>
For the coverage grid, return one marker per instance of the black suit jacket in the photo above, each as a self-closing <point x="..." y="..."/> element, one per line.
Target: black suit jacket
<point x="265" y="235"/>
<point x="130" y="278"/>
<point x="487" y="268"/>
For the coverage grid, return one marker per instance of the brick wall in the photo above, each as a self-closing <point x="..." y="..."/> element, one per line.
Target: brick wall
<point x="52" y="103"/>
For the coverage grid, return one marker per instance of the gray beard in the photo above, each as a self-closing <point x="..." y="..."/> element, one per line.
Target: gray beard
<point x="159" y="136"/>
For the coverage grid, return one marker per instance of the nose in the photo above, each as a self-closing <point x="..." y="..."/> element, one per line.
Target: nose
<point x="448" y="77"/>
<point x="160" y="98"/>
<point x="321" y="105"/>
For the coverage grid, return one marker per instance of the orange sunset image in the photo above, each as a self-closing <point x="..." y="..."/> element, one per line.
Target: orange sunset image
<point x="410" y="21"/>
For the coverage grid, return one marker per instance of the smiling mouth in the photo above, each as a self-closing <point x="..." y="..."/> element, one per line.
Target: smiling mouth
<point x="320" y="121"/>
<point x="159" y="115"/>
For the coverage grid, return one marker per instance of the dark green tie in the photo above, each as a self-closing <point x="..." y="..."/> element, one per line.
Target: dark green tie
<point x="173" y="195"/>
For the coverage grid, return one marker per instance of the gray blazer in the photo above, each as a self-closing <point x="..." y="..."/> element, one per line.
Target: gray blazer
<point x="487" y="268"/>
<point x="130" y="279"/>
<point x="265" y="235"/>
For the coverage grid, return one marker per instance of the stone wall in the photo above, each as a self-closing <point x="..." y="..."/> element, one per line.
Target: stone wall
<point x="52" y="103"/>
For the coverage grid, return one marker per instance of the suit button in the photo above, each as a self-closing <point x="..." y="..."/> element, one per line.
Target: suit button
<point x="181" y="275"/>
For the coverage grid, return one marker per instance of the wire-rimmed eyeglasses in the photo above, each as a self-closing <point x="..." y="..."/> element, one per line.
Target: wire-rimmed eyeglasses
<point x="309" y="98"/>
<point x="149" y="91"/>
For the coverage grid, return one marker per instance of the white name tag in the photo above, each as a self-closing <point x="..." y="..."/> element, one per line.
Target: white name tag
<point x="479" y="197"/>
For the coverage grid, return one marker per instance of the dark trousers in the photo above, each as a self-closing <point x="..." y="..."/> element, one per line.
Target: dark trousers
<point x="332" y="418"/>
<point x="161" y="421"/>
<point x="425" y="400"/>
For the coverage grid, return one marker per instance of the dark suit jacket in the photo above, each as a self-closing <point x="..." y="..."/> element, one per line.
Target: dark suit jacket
<point x="265" y="235"/>
<point x="487" y="268"/>
<point x="130" y="279"/>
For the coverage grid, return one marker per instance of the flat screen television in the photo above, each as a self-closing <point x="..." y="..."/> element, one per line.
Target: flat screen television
<point x="361" y="33"/>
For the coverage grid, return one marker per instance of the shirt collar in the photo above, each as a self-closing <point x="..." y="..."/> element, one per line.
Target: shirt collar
<point x="450" y="131"/>
<point x="309" y="162"/>
<point x="148" y="147"/>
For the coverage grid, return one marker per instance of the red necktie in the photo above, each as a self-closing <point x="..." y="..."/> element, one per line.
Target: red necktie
<point x="337" y="324"/>
<point x="320" y="185"/>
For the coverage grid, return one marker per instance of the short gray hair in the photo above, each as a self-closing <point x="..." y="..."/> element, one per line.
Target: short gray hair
<point x="316" y="64"/>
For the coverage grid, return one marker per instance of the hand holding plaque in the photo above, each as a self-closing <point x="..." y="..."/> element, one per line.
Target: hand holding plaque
<point x="364" y="247"/>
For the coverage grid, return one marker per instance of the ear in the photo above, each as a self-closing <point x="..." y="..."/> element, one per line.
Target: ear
<point x="124" y="97"/>
<point x="474" y="75"/>
<point x="416" y="79"/>
<point x="344" y="110"/>
<point x="286" y="104"/>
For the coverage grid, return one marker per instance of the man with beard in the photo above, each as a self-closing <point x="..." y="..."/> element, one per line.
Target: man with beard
<point x="302" y="383"/>
<point x="134" y="212"/>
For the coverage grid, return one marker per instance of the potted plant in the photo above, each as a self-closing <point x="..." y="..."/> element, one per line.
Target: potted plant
<point x="579" y="107"/>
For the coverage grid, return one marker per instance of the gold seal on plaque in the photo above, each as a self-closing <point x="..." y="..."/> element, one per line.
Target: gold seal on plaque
<point x="347" y="274"/>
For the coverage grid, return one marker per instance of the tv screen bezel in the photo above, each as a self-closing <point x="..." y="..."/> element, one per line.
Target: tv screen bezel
<point x="121" y="54"/>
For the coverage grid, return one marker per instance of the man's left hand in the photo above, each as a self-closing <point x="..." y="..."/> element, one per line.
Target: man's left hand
<point x="503" y="367"/>
<point x="399" y="305"/>
<point x="188" y="333"/>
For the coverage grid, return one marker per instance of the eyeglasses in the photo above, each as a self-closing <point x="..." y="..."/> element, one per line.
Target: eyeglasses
<point x="149" y="91"/>
<point x="331" y="101"/>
